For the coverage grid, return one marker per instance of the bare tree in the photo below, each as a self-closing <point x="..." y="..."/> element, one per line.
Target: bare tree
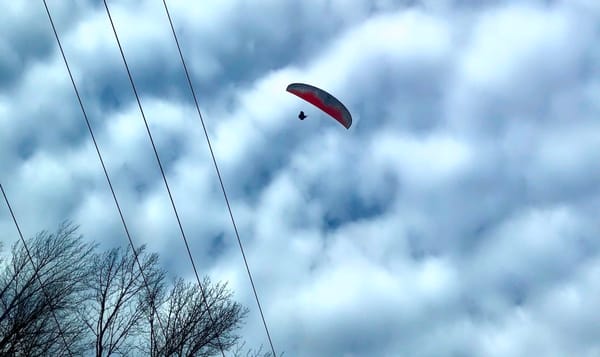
<point x="106" y="305"/>
<point x="35" y="294"/>
<point x="189" y="329"/>
<point x="115" y="310"/>
<point x="250" y="352"/>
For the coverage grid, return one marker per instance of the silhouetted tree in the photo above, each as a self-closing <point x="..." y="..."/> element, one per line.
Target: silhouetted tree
<point x="250" y="352"/>
<point x="105" y="305"/>
<point x="114" y="309"/>
<point x="189" y="328"/>
<point x="34" y="292"/>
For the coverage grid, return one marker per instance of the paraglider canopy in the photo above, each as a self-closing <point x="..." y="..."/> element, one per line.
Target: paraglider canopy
<point x="322" y="100"/>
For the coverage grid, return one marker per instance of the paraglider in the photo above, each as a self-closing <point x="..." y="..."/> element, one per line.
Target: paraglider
<point x="322" y="100"/>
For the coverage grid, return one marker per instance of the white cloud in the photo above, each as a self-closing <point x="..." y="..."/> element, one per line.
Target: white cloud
<point x="456" y="217"/>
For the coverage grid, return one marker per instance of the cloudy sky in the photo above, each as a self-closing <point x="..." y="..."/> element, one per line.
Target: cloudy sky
<point x="457" y="217"/>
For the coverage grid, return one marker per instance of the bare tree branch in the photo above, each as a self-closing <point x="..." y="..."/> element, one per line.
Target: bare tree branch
<point x="188" y="329"/>
<point x="115" y="308"/>
<point x="104" y="306"/>
<point x="60" y="262"/>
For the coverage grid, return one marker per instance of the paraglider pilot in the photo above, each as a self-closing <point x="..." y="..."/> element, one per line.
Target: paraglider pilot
<point x="301" y="116"/>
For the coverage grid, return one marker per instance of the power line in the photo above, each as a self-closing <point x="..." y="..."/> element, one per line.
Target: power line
<point x="220" y="178"/>
<point x="35" y="272"/>
<point x="87" y="121"/>
<point x="162" y="172"/>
